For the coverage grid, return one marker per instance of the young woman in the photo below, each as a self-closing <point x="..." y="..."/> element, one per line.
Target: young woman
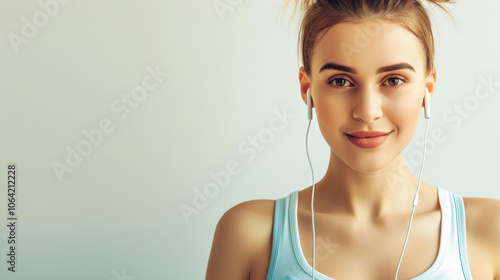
<point x="366" y="65"/>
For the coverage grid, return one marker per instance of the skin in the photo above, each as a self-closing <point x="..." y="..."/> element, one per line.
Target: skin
<point x="362" y="203"/>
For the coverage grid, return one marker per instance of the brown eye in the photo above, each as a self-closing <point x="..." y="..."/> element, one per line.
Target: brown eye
<point x="394" y="81"/>
<point x="340" y="82"/>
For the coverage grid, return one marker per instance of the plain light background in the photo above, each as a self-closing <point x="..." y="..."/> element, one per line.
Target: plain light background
<point x="117" y="214"/>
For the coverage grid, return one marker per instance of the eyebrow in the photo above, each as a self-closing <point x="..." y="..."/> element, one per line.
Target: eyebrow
<point x="397" y="66"/>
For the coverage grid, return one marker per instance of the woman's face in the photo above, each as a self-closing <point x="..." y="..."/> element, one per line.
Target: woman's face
<point x="367" y="77"/>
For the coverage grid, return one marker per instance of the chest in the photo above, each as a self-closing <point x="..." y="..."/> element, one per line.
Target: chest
<point x="347" y="250"/>
<point x="352" y="251"/>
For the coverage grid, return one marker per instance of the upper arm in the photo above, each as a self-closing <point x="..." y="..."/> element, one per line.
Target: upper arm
<point x="483" y="222"/>
<point x="241" y="235"/>
<point x="495" y="235"/>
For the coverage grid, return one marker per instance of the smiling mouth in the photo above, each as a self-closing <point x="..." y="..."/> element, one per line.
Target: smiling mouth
<point x="368" y="139"/>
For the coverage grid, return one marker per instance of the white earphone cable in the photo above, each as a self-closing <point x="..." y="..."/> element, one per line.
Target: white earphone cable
<point x="415" y="200"/>
<point x="312" y="203"/>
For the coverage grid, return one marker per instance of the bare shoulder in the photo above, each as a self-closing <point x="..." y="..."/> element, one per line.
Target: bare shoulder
<point x="243" y="233"/>
<point x="483" y="227"/>
<point x="252" y="209"/>
<point x="249" y="219"/>
<point x="483" y="216"/>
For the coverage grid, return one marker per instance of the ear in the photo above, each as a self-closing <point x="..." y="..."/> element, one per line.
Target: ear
<point x="430" y="84"/>
<point x="305" y="84"/>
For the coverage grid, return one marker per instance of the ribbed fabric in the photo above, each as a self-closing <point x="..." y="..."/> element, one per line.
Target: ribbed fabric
<point x="288" y="262"/>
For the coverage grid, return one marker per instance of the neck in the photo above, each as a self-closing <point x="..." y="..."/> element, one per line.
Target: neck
<point x="368" y="196"/>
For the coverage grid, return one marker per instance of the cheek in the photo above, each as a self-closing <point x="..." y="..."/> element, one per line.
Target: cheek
<point x="331" y="117"/>
<point x="405" y="115"/>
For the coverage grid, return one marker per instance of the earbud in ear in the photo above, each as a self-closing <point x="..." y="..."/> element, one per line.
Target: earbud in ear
<point x="427" y="104"/>
<point x="309" y="106"/>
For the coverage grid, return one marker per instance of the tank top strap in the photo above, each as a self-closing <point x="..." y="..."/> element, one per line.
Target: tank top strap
<point x="288" y="263"/>
<point x="279" y="213"/>
<point x="461" y="231"/>
<point x="452" y="256"/>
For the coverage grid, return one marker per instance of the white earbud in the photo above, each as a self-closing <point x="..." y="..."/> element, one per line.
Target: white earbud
<point x="427" y="104"/>
<point x="309" y="106"/>
<point x="427" y="110"/>
<point x="309" y="116"/>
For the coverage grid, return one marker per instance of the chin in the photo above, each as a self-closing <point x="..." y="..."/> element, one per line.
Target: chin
<point x="368" y="162"/>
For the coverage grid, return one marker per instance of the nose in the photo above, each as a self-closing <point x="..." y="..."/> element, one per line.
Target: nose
<point x="368" y="106"/>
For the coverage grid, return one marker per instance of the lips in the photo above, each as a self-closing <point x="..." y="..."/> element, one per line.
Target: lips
<point x="368" y="139"/>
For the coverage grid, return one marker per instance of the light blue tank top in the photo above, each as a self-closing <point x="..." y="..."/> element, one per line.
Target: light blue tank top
<point x="288" y="262"/>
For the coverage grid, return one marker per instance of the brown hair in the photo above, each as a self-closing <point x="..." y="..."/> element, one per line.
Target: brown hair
<point x="319" y="15"/>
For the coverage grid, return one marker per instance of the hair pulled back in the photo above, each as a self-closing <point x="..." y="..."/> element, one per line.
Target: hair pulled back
<point x="319" y="15"/>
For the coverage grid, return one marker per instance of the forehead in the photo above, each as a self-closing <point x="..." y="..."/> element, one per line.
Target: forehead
<point x="367" y="46"/>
